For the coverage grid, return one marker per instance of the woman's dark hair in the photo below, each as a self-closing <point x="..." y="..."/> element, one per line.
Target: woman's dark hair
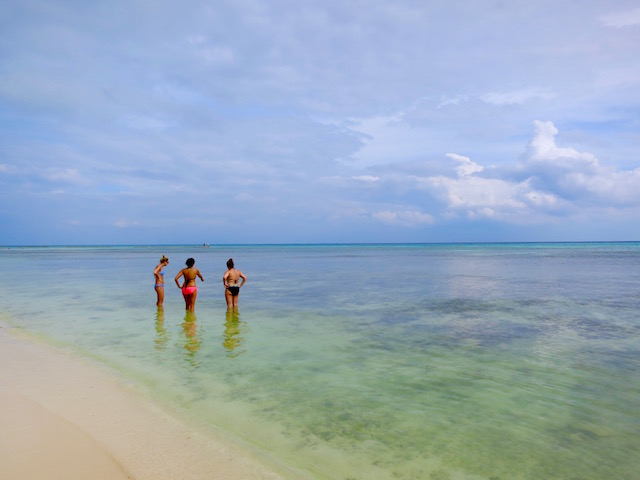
<point x="190" y="262"/>
<point x="230" y="263"/>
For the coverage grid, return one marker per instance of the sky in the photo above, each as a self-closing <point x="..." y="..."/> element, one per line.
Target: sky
<point x="319" y="121"/>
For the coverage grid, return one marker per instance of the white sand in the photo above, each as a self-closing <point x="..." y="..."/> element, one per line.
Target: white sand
<point x="64" y="418"/>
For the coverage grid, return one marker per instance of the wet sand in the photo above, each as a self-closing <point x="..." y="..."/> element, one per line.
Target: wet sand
<point x="62" y="417"/>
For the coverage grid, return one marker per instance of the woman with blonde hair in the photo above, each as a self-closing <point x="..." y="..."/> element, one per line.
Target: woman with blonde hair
<point x="158" y="273"/>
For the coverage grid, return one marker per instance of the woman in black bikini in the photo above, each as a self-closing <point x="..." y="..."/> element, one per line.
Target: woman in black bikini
<point x="230" y="282"/>
<point x="158" y="273"/>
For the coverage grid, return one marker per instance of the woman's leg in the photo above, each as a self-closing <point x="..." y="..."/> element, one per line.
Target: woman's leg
<point x="228" y="297"/>
<point x="193" y="300"/>
<point x="186" y="301"/>
<point x="160" y="292"/>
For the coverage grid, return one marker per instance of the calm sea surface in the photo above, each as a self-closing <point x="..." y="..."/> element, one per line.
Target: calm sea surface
<point x="479" y="361"/>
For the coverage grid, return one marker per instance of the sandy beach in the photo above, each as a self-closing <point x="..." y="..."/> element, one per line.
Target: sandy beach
<point x="64" y="418"/>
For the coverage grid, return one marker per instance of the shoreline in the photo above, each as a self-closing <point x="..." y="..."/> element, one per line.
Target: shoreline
<point x="63" y="417"/>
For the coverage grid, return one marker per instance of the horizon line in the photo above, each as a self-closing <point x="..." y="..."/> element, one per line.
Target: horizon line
<point x="283" y="244"/>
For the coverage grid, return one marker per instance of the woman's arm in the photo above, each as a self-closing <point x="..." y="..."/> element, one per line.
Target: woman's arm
<point x="180" y="273"/>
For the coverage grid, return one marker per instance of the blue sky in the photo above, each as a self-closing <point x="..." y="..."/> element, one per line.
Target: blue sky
<point x="146" y="122"/>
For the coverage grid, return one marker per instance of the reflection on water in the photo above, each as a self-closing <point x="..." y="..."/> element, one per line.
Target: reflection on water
<point x="234" y="330"/>
<point x="161" y="331"/>
<point x="193" y="341"/>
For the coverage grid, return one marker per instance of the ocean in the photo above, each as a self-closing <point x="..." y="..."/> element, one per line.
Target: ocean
<point x="438" y="362"/>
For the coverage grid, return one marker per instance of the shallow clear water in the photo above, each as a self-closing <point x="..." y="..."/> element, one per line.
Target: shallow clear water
<point x="481" y="361"/>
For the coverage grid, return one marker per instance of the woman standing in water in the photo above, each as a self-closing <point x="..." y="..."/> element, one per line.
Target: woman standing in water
<point x="231" y="287"/>
<point x="158" y="273"/>
<point x="189" y="288"/>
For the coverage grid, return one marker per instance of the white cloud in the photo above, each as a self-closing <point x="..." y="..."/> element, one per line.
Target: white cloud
<point x="575" y="175"/>
<point x="515" y="97"/>
<point x="216" y="55"/>
<point x="456" y="100"/>
<point x="543" y="149"/>
<point x="629" y="18"/>
<point x="407" y="218"/>
<point x="66" y="175"/>
<point x="384" y="139"/>
<point x="501" y="98"/>
<point x="555" y="181"/>
<point x="541" y="199"/>
<point x="332" y="180"/>
<point x="468" y="167"/>
<point x="124" y="223"/>
<point x="479" y="197"/>
<point x="179" y="94"/>
<point x="366" y="178"/>
<point x="144" y="122"/>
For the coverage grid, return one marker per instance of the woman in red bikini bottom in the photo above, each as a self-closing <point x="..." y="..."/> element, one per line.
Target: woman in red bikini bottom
<point x="189" y="288"/>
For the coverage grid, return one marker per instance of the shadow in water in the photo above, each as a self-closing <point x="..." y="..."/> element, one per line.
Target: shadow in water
<point x="234" y="331"/>
<point x="193" y="341"/>
<point x="161" y="332"/>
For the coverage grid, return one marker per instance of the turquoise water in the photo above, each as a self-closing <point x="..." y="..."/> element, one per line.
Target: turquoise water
<point x="479" y="361"/>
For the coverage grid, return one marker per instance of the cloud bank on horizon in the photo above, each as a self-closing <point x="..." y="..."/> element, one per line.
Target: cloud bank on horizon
<point x="248" y="121"/>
